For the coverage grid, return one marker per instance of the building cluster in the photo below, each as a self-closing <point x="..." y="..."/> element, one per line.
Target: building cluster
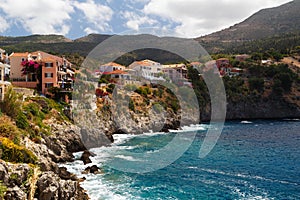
<point x="146" y="69"/>
<point x="176" y="73"/>
<point x="42" y="71"/>
<point x="35" y="70"/>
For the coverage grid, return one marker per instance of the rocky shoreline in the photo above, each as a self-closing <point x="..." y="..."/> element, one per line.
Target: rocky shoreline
<point x="46" y="180"/>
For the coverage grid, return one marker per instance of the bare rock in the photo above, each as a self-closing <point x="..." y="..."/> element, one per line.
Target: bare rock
<point x="64" y="174"/>
<point x="15" y="193"/>
<point x="51" y="187"/>
<point x="85" y="157"/>
<point x="93" y="170"/>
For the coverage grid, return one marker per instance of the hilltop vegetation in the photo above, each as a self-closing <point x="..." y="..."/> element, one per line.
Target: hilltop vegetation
<point x="265" y="23"/>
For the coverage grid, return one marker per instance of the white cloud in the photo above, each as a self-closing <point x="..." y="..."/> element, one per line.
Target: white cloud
<point x="199" y="17"/>
<point x="39" y="16"/>
<point x="4" y="25"/>
<point x="134" y="21"/>
<point x="96" y="14"/>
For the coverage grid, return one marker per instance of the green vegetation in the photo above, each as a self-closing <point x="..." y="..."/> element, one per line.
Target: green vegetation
<point x="3" y="190"/>
<point x="256" y="84"/>
<point x="15" y="153"/>
<point x="131" y="105"/>
<point x="9" y="130"/>
<point x="11" y="104"/>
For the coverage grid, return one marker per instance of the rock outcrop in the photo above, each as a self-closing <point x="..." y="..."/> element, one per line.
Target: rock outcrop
<point x="46" y="180"/>
<point x="50" y="186"/>
<point x="258" y="108"/>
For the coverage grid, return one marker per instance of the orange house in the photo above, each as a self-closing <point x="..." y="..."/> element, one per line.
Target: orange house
<point x="55" y="72"/>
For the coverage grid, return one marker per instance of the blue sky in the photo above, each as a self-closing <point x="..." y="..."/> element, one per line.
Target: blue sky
<point x="77" y="18"/>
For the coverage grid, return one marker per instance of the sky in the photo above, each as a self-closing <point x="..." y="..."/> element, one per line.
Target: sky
<point x="77" y="18"/>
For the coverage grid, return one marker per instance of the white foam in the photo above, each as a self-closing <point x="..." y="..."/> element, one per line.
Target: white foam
<point x="122" y="138"/>
<point x="129" y="158"/>
<point x="246" y="122"/>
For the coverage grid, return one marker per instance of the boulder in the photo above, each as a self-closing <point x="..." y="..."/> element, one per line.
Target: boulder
<point x="65" y="175"/>
<point x="15" y="193"/>
<point x="85" y="157"/>
<point x="93" y="170"/>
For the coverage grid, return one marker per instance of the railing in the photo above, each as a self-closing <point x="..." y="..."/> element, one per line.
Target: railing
<point x="23" y="80"/>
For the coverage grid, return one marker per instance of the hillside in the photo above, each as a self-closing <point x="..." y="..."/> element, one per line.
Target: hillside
<point x="276" y="28"/>
<point x="45" y="39"/>
<point x="264" y="23"/>
<point x="55" y="44"/>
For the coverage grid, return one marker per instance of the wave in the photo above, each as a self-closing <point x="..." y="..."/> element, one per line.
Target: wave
<point x="190" y="128"/>
<point x="129" y="158"/>
<point x="246" y="122"/>
<point x="212" y="171"/>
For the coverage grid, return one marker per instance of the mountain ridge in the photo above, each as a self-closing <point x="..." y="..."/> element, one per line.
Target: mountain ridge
<point x="264" y="23"/>
<point x="271" y="22"/>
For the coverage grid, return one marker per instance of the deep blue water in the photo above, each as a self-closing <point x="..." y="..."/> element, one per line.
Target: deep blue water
<point x="258" y="160"/>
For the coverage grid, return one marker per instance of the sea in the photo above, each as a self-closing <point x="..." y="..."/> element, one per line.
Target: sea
<point x="251" y="160"/>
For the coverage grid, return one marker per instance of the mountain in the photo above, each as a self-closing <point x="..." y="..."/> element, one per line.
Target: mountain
<point x="93" y="38"/>
<point x="34" y="39"/>
<point x="260" y="31"/>
<point x="265" y="23"/>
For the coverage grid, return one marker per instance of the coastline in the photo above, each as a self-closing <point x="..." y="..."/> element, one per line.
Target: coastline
<point x="107" y="152"/>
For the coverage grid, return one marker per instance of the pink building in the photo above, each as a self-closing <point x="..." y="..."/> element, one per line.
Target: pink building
<point x="54" y="71"/>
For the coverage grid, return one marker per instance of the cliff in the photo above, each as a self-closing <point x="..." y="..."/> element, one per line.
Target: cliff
<point x="31" y="149"/>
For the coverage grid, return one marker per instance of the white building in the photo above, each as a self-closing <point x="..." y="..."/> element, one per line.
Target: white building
<point x="3" y="83"/>
<point x="148" y="69"/>
<point x="110" y="67"/>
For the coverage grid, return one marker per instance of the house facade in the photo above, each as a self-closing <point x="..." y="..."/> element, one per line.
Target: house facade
<point x="148" y="69"/>
<point x="54" y="71"/>
<point x="3" y="82"/>
<point x="110" y="67"/>
<point x="176" y="72"/>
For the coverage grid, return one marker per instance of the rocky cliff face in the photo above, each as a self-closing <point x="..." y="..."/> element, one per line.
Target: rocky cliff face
<point x="258" y="108"/>
<point x="98" y="127"/>
<point x="46" y="180"/>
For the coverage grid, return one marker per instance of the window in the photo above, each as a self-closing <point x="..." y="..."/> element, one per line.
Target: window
<point x="48" y="75"/>
<point x="48" y="85"/>
<point x="48" y="65"/>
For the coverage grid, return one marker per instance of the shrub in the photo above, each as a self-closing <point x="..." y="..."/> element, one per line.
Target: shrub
<point x="256" y="84"/>
<point x="8" y="130"/>
<point x="157" y="107"/>
<point x="3" y="190"/>
<point x="131" y="105"/>
<point x="286" y="81"/>
<point x="21" y="121"/>
<point x="11" y="104"/>
<point x="15" y="153"/>
<point x="130" y="87"/>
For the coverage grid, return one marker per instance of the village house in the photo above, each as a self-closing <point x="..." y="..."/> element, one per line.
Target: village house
<point x="226" y="69"/>
<point x="223" y="65"/>
<point x="120" y="77"/>
<point x="3" y="82"/>
<point x="110" y="67"/>
<point x="3" y="56"/>
<point x="176" y="72"/>
<point x="54" y="71"/>
<point x="148" y="69"/>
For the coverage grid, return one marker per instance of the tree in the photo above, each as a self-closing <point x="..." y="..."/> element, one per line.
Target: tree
<point x="256" y="84"/>
<point x="286" y="81"/>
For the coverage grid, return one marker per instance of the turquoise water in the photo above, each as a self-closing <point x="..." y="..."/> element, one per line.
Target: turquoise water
<point x="258" y="160"/>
